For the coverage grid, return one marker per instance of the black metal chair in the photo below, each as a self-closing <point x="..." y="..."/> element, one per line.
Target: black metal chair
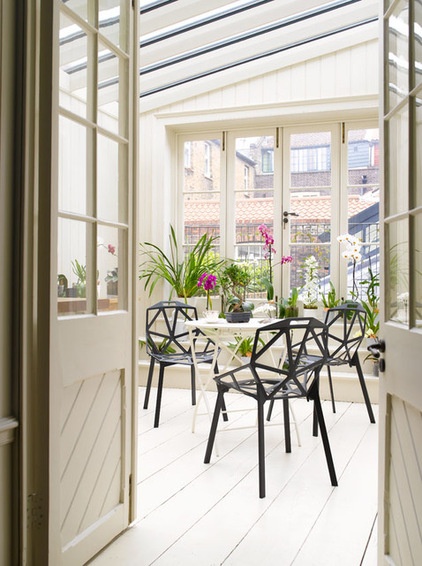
<point x="346" y="330"/>
<point x="167" y="342"/>
<point x="297" y="375"/>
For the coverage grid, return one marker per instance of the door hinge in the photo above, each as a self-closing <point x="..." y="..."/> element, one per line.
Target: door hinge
<point x="35" y="510"/>
<point x="343" y="132"/>
<point x="130" y="486"/>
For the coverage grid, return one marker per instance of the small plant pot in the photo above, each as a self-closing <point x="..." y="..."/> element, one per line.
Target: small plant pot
<point x="292" y="312"/>
<point x="244" y="316"/>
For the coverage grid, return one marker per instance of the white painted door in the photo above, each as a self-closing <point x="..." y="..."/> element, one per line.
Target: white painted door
<point x="92" y="345"/>
<point x="400" y="490"/>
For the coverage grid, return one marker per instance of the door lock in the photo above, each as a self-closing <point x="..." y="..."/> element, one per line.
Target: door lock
<point x="286" y="216"/>
<point x="376" y="350"/>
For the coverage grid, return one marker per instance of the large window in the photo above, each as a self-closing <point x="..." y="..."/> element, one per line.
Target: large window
<point x="316" y="190"/>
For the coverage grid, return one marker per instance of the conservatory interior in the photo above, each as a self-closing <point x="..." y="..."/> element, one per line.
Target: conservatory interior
<point x="258" y="131"/>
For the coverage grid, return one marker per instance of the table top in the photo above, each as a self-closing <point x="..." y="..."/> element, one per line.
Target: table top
<point x="222" y="324"/>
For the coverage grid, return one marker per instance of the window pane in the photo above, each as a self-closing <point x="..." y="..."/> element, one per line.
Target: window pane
<point x="398" y="46"/>
<point x="80" y="8"/>
<point x="201" y="189"/>
<point x="73" y="275"/>
<point x="363" y="202"/>
<point x="397" y="169"/>
<point x="111" y="253"/>
<point x="417" y="31"/>
<point x="397" y="261"/>
<point x="109" y="20"/>
<point x="72" y="179"/>
<point x="73" y="67"/>
<point x="417" y="136"/>
<point x="309" y="215"/>
<point x="417" y="271"/>
<point x="112" y="159"/>
<point x="109" y="88"/>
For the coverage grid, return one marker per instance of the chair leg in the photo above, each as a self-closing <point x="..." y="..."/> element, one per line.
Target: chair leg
<point x="261" y="450"/>
<point x="159" y="395"/>
<point x="286" y="416"/>
<point x="324" y="437"/>
<point x="193" y="384"/>
<point x="219" y="403"/>
<point x="225" y="415"/>
<point x="270" y="410"/>
<point x="149" y="382"/>
<point x="330" y="383"/>
<point x="356" y="363"/>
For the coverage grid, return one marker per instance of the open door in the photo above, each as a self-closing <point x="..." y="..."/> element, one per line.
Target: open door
<point x="92" y="341"/>
<point x="400" y="491"/>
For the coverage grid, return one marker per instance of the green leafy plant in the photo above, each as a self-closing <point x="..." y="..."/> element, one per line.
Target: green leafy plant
<point x="371" y="304"/>
<point x="80" y="271"/>
<point x="181" y="274"/>
<point x="292" y="309"/>
<point x="311" y="285"/>
<point x="243" y="346"/>
<point x="330" y="299"/>
<point x="234" y="280"/>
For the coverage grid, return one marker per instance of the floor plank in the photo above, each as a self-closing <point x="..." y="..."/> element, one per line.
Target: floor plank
<point x="197" y="514"/>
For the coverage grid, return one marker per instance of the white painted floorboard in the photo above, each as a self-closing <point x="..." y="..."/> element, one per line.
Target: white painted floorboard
<point x="196" y="514"/>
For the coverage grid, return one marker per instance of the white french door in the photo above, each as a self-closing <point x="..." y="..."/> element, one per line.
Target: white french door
<point x="92" y="345"/>
<point x="400" y="490"/>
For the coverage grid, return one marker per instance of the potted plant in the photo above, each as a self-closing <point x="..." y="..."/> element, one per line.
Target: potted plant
<point x="310" y="288"/>
<point x="330" y="300"/>
<point x="239" y="311"/>
<point x="80" y="272"/>
<point x="292" y="310"/>
<point x="234" y="280"/>
<point x="371" y="305"/>
<point x="181" y="273"/>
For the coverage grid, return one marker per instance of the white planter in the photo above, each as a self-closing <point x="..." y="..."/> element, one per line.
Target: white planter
<point x="314" y="313"/>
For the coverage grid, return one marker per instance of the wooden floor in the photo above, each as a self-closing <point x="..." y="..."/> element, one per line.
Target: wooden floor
<point x="196" y="514"/>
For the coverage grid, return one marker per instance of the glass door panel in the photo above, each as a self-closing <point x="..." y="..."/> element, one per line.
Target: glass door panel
<point x="73" y="74"/>
<point x="201" y="189"/>
<point x="254" y="204"/>
<point x="363" y="205"/>
<point x="308" y="212"/>
<point x="398" y="43"/>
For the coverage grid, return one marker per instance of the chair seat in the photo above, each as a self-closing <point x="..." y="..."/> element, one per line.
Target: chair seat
<point x="184" y="358"/>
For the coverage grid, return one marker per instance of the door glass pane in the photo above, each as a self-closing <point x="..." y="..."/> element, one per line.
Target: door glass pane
<point x="417" y="43"/>
<point x="110" y="18"/>
<point x="201" y="189"/>
<point x="397" y="263"/>
<point x="398" y="48"/>
<point x="73" y="275"/>
<point x="111" y="179"/>
<point x="417" y="271"/>
<point x="310" y="204"/>
<point x="73" y="67"/>
<point x="80" y="8"/>
<point x="111" y="253"/>
<point x="418" y="151"/>
<point x="397" y="169"/>
<point x="108" y="90"/>
<point x="363" y="203"/>
<point x="72" y="179"/>
<point x="254" y="207"/>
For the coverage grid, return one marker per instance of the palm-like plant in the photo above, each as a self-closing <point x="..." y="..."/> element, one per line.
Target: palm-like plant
<point x="181" y="274"/>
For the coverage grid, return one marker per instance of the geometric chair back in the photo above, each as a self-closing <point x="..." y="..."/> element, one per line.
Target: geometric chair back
<point x="294" y="374"/>
<point x="167" y="343"/>
<point x="346" y="330"/>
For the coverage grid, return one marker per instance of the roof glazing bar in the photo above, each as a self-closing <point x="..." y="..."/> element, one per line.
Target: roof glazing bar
<point x="258" y="56"/>
<point x="297" y="18"/>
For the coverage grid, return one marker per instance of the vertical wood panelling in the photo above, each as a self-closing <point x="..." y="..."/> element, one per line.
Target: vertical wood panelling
<point x="405" y="503"/>
<point x="91" y="441"/>
<point x="344" y="73"/>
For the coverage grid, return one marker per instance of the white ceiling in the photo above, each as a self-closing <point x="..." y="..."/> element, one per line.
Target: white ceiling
<point x="187" y="43"/>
